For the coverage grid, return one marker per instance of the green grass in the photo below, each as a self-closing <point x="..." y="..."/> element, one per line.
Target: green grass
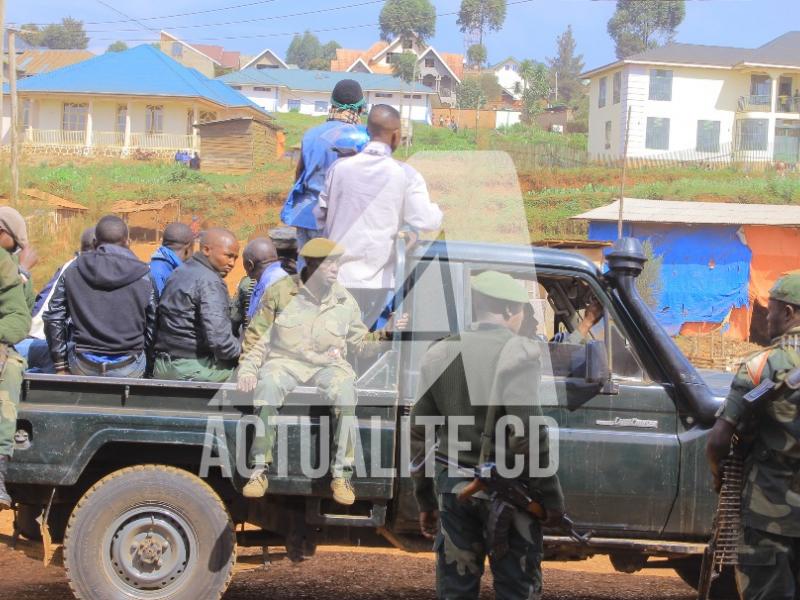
<point x="295" y="125"/>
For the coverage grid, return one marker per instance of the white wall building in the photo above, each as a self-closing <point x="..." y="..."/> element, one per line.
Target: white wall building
<point x="309" y="92"/>
<point x="694" y="102"/>
<point x="507" y="73"/>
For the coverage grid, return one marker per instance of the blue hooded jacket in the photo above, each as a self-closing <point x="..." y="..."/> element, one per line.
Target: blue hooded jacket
<point x="163" y="262"/>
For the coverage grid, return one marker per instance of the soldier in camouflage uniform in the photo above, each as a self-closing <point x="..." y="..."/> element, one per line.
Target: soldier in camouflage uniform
<point x="766" y="417"/>
<point x="301" y="336"/>
<point x="460" y="375"/>
<point x="15" y="322"/>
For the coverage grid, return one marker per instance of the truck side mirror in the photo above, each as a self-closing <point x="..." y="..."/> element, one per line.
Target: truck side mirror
<point x="596" y="362"/>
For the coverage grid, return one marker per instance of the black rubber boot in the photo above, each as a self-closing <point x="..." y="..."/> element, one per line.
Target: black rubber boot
<point x="5" y="499"/>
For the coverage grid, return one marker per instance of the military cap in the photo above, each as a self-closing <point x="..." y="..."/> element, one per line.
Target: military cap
<point x="14" y="224"/>
<point x="284" y="238"/>
<point x="787" y="289"/>
<point x="321" y="248"/>
<point x="500" y="286"/>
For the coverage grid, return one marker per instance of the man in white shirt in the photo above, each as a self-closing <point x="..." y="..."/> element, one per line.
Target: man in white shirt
<point x="367" y="199"/>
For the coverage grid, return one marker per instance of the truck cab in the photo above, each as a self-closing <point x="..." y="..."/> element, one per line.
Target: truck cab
<point x="140" y="479"/>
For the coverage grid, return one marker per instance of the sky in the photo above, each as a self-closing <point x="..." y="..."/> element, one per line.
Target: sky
<point x="530" y="29"/>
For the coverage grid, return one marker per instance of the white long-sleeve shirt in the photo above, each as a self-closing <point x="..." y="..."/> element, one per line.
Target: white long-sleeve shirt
<point x="367" y="199"/>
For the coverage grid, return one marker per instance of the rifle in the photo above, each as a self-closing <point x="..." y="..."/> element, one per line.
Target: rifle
<point x="506" y="496"/>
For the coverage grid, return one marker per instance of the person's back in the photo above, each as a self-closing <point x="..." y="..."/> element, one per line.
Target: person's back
<point x="195" y="335"/>
<point x="101" y="316"/>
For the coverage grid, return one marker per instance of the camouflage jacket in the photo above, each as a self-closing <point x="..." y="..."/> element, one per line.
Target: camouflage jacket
<point x="240" y="305"/>
<point x="291" y="323"/>
<point x="771" y="497"/>
<point x="15" y="305"/>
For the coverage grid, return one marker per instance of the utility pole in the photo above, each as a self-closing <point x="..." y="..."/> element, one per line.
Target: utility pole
<point x="2" y="58"/>
<point x="624" y="172"/>
<point x="12" y="88"/>
<point x="555" y="101"/>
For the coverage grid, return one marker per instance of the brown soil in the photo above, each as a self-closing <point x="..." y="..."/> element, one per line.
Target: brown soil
<point x="349" y="573"/>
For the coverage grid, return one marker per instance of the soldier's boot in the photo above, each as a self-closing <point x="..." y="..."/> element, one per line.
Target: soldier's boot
<point x="5" y="499"/>
<point x="343" y="491"/>
<point x="257" y="486"/>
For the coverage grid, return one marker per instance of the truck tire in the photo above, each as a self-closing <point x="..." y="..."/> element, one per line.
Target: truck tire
<point x="724" y="587"/>
<point x="149" y="531"/>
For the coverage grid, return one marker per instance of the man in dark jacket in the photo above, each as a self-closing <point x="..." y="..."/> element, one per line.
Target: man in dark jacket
<point x="107" y="298"/>
<point x="195" y="336"/>
<point x="177" y="245"/>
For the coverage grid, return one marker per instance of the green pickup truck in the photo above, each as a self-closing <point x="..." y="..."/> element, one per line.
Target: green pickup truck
<point x="138" y="478"/>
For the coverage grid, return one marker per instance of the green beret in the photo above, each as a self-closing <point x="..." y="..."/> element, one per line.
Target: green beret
<point x="787" y="289"/>
<point x="501" y="286"/>
<point x="321" y="248"/>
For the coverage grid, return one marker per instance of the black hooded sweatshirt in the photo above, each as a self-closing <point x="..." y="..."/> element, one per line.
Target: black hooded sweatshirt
<point x="107" y="297"/>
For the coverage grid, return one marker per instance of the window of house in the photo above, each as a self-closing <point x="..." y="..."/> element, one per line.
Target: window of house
<point x="236" y="87"/>
<point x="320" y="106"/>
<point x="430" y="62"/>
<point x="154" y="118"/>
<point x="616" y="87"/>
<point x="708" y="136"/>
<point x="74" y="116"/>
<point x="206" y="116"/>
<point x="262" y="89"/>
<point x="601" y="97"/>
<point x="753" y="134"/>
<point x="176" y="50"/>
<point x="417" y="96"/>
<point x="760" y="90"/>
<point x="391" y="58"/>
<point x="262" y="66"/>
<point x="657" y="137"/>
<point x="383" y="95"/>
<point x="26" y="113"/>
<point x="608" y="135"/>
<point x="660" y="85"/>
<point x="122" y="116"/>
<point x="294" y="105"/>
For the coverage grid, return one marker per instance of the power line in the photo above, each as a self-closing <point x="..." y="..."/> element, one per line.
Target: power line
<point x="252" y="20"/>
<point x="128" y="19"/>
<point x="293" y="33"/>
<point x="119" y="12"/>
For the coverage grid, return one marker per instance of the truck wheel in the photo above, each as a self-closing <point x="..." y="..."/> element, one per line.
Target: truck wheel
<point x="724" y="587"/>
<point x="149" y="531"/>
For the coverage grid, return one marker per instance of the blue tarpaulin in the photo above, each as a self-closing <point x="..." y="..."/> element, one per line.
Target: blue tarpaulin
<point x="705" y="271"/>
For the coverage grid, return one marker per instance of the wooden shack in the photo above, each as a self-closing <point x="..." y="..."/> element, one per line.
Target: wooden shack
<point x="238" y="145"/>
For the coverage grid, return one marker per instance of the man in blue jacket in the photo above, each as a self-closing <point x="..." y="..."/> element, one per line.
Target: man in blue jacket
<point x="318" y="152"/>
<point x="176" y="247"/>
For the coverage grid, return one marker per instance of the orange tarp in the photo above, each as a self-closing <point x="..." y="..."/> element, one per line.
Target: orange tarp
<point x="776" y="251"/>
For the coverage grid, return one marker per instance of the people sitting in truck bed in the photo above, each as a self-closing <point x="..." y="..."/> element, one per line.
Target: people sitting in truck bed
<point x="15" y="322"/>
<point x="365" y="202"/>
<point x="263" y="268"/>
<point x="301" y="335"/>
<point x="102" y="314"/>
<point x="195" y="340"/>
<point x="177" y="245"/>
<point x="34" y="348"/>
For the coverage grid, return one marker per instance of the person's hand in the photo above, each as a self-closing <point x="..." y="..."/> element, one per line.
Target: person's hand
<point x="28" y="257"/>
<point x="411" y="237"/>
<point x="397" y="322"/>
<point x="553" y="519"/>
<point x="429" y="523"/>
<point x="246" y="382"/>
<point x="62" y="372"/>
<point x="591" y="316"/>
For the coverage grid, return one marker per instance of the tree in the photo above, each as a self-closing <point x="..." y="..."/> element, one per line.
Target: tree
<point x="404" y="18"/>
<point x="476" y="55"/>
<point x="307" y="52"/>
<point x="118" y="46"/>
<point x="67" y="35"/>
<point x="536" y="87"/>
<point x="470" y="94"/>
<point x="567" y="68"/>
<point x="638" y="25"/>
<point x="481" y="16"/>
<point x="650" y="284"/>
<point x="405" y="66"/>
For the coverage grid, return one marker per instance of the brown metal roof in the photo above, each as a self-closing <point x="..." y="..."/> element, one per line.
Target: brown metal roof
<point x="129" y="206"/>
<point x="54" y="201"/>
<point x="638" y="210"/>
<point x="33" y="62"/>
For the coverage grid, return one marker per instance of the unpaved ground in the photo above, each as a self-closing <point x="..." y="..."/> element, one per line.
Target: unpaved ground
<point x="357" y="574"/>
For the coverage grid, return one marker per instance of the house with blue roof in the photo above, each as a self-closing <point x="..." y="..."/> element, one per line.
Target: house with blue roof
<point x="123" y="102"/>
<point x="309" y="92"/>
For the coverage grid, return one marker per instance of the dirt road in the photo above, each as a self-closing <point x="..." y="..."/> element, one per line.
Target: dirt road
<point x="357" y="574"/>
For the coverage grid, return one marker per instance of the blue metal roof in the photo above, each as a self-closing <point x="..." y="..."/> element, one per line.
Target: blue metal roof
<point x="319" y="81"/>
<point x="140" y="71"/>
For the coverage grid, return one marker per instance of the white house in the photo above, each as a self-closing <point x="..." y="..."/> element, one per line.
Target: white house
<point x="507" y="73"/>
<point x="121" y="102"/>
<point x="309" y="92"/>
<point x="695" y="102"/>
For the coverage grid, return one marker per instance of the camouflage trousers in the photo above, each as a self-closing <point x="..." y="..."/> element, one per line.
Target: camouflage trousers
<point x="461" y="552"/>
<point x="10" y="388"/>
<point x="769" y="566"/>
<point x="280" y="376"/>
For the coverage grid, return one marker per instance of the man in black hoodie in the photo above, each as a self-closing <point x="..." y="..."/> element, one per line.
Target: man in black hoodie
<point x="107" y="298"/>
